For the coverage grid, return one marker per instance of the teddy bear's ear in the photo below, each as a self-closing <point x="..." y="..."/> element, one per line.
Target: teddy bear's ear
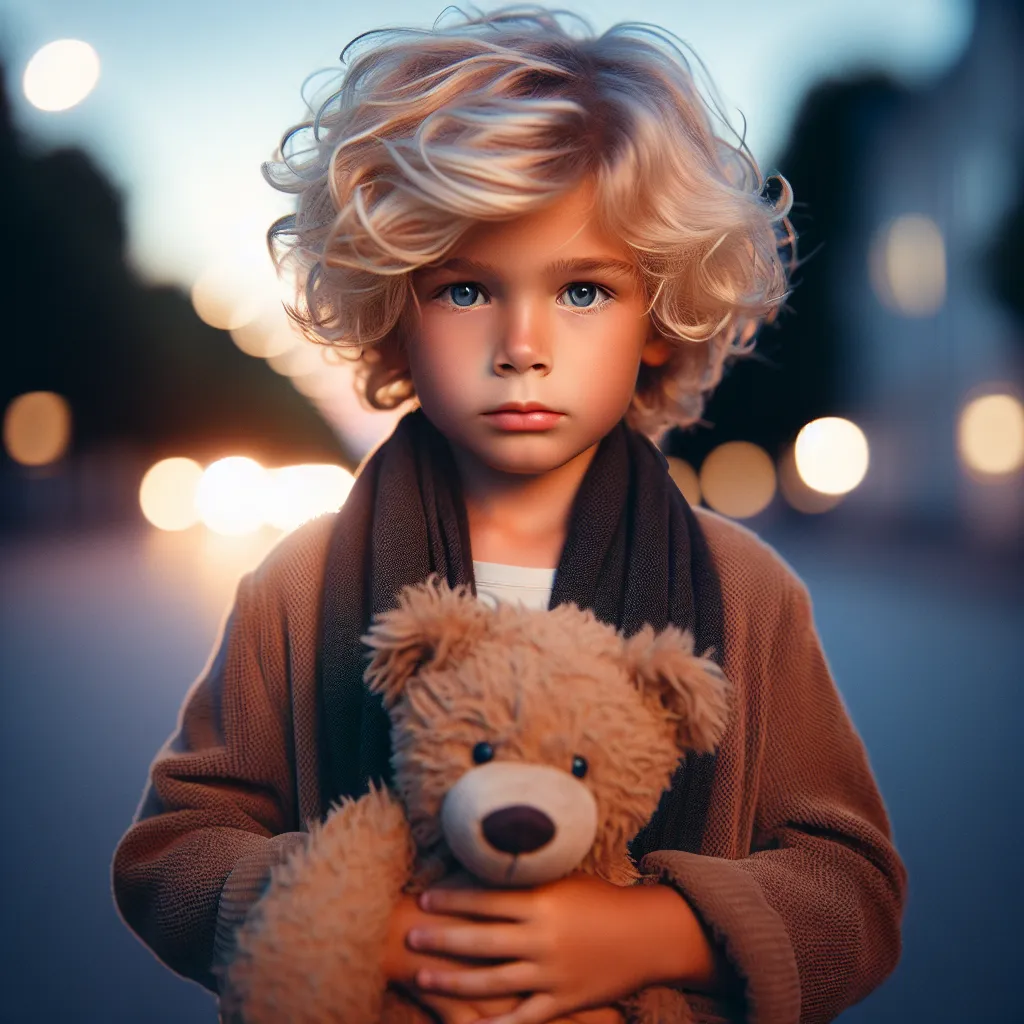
<point x="692" y="690"/>
<point x="431" y="623"/>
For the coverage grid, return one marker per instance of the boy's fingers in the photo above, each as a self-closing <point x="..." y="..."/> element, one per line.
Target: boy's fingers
<point x="502" y="980"/>
<point x="536" y="1009"/>
<point x="510" y="906"/>
<point x="450" y="1011"/>
<point x="488" y="941"/>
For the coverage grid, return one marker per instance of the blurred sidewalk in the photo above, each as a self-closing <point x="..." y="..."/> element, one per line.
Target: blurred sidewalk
<point x="101" y="635"/>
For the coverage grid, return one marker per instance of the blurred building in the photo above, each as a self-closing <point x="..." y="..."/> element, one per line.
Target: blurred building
<point x="927" y="331"/>
<point x="901" y="312"/>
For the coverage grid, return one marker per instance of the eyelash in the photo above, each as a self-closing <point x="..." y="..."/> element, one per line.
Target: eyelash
<point x="585" y="310"/>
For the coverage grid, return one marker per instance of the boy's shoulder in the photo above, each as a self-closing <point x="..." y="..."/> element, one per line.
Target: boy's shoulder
<point x="750" y="570"/>
<point x="291" y="576"/>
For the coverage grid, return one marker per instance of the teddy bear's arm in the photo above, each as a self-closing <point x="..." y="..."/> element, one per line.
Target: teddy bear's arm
<point x="311" y="949"/>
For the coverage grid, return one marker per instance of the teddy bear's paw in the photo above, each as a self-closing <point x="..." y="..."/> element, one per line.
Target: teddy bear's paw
<point x="310" y="951"/>
<point x="601" y="1015"/>
<point x="657" y="1004"/>
<point x="399" y="1009"/>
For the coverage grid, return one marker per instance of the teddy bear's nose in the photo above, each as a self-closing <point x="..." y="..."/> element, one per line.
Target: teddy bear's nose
<point x="518" y="829"/>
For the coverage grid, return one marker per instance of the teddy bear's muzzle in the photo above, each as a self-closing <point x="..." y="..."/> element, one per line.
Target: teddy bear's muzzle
<point x="516" y="824"/>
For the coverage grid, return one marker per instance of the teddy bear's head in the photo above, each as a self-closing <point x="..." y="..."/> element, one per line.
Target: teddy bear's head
<point x="535" y="743"/>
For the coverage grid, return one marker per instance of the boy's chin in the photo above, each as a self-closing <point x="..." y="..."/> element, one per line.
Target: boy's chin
<point x="533" y="456"/>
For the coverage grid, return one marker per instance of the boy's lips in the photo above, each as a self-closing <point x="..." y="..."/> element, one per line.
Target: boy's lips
<point x="523" y="416"/>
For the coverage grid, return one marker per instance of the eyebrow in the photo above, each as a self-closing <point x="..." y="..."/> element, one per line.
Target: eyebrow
<point x="606" y="265"/>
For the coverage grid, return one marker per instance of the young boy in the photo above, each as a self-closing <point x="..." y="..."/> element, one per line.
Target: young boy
<point x="538" y="235"/>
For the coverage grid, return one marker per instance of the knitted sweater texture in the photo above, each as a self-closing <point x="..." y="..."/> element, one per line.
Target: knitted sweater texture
<point x="797" y="878"/>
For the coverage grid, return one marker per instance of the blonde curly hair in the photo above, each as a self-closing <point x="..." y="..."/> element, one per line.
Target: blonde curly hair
<point x="494" y="116"/>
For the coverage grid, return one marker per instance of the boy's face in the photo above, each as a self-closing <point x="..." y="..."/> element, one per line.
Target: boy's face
<point x="544" y="310"/>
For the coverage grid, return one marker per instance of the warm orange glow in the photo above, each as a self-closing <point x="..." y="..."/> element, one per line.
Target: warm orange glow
<point x="37" y="428"/>
<point x="321" y="385"/>
<point x="738" y="479"/>
<point x="801" y="497"/>
<point x="685" y="477"/>
<point x="907" y="265"/>
<point x="61" y="74"/>
<point x="270" y="334"/>
<point x="232" y="496"/>
<point x="832" y="455"/>
<point x="990" y="434"/>
<point x="228" y="295"/>
<point x="301" y="360"/>
<point x="296" y="494"/>
<point x="167" y="494"/>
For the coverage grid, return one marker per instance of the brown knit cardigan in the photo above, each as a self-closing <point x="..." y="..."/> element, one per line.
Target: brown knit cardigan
<point x="797" y="876"/>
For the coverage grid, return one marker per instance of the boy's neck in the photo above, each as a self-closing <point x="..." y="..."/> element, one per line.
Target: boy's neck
<point x="516" y="519"/>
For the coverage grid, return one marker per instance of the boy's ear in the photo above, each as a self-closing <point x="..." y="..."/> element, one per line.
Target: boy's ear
<point x="656" y="352"/>
<point x="691" y="690"/>
<point x="431" y="623"/>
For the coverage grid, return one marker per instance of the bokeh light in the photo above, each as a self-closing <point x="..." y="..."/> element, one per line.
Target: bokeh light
<point x="232" y="496"/>
<point x="61" y="74"/>
<point x="296" y="494"/>
<point x="168" y="491"/>
<point x="321" y="385"/>
<point x="738" y="479"/>
<point x="832" y="455"/>
<point x="990" y="434"/>
<point x="37" y="428"/>
<point x="796" y="492"/>
<point x="229" y="294"/>
<point x="907" y="265"/>
<point x="301" y="360"/>
<point x="269" y="334"/>
<point x="685" y="477"/>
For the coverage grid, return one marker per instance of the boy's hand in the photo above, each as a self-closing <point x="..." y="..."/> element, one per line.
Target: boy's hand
<point x="574" y="944"/>
<point x="401" y="965"/>
<point x="450" y="1010"/>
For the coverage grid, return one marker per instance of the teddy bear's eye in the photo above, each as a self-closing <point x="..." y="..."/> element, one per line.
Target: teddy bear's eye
<point x="483" y="752"/>
<point x="579" y="766"/>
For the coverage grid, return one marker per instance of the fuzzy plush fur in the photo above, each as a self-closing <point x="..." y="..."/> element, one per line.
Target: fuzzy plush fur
<point x="542" y="688"/>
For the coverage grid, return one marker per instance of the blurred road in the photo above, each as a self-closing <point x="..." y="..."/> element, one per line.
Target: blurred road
<point x="101" y="635"/>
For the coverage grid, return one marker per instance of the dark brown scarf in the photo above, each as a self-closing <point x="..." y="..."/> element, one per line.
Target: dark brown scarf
<point x="634" y="554"/>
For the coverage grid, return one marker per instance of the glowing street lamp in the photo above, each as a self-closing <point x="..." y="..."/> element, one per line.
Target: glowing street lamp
<point x="37" y="428"/>
<point x="831" y="455"/>
<point x="232" y="496"/>
<point x="990" y="434"/>
<point x="61" y="74"/>
<point x="167" y="494"/>
<point x="738" y="479"/>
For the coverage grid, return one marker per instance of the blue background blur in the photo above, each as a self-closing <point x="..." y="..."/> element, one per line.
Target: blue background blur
<point x="916" y="576"/>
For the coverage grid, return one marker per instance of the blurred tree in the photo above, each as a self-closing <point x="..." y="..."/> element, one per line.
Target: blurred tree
<point x="135" y="362"/>
<point x="795" y="372"/>
<point x="1004" y="263"/>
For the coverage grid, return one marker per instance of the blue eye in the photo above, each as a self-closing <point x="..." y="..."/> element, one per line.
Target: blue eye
<point x="581" y="294"/>
<point x="483" y="752"/>
<point x="579" y="766"/>
<point x="463" y="294"/>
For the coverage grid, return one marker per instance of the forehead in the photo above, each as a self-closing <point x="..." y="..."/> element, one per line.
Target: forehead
<point x="563" y="237"/>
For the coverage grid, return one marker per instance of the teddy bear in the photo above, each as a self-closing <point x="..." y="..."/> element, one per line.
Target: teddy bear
<point x="527" y="745"/>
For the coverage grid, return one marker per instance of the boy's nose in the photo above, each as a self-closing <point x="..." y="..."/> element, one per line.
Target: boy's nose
<point x="524" y="344"/>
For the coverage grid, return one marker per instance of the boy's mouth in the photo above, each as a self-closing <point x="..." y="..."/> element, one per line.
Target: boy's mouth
<point x="524" y="416"/>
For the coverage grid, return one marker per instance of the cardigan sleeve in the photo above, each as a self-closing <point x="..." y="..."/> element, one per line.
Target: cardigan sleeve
<point x="219" y="809"/>
<point x="810" y="918"/>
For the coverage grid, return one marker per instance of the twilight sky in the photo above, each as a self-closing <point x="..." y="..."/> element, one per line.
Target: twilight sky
<point x="194" y="94"/>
